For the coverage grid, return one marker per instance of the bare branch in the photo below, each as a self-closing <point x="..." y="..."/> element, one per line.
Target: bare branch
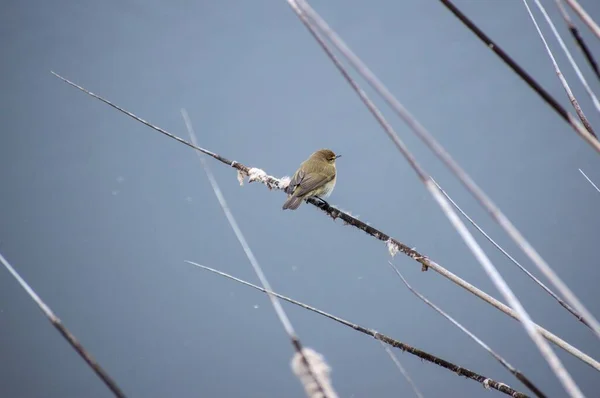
<point x="57" y="323"/>
<point x="584" y="17"/>
<point x="529" y="274"/>
<point x="561" y="77"/>
<point x="590" y="181"/>
<point x="520" y="376"/>
<point x="567" y="117"/>
<point x="459" y="370"/>
<point x="245" y="171"/>
<point x="401" y="369"/>
<point x="578" y="39"/>
<point x="569" y="56"/>
<point x="396" y="245"/>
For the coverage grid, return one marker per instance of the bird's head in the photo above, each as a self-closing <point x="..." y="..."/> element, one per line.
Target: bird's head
<point x="326" y="155"/>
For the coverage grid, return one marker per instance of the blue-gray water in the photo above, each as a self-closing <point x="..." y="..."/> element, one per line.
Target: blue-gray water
<point x="98" y="212"/>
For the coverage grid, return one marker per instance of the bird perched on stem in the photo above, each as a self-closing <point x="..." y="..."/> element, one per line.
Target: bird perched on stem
<point x="315" y="178"/>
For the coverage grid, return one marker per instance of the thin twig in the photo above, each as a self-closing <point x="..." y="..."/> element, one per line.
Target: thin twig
<point x="579" y="39"/>
<point x="529" y="274"/>
<point x="325" y="391"/>
<point x="520" y="376"/>
<point x="393" y="244"/>
<point x="567" y="117"/>
<point x="555" y="364"/>
<point x="459" y="370"/>
<point x="401" y="369"/>
<point x="439" y="150"/>
<point x="57" y="323"/>
<point x="509" y="311"/>
<point x="271" y="182"/>
<point x="561" y="77"/>
<point x="590" y="181"/>
<point x="585" y="17"/>
<point x="568" y="54"/>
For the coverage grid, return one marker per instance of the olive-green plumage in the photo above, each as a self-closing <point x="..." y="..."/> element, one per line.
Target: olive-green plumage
<point x="315" y="177"/>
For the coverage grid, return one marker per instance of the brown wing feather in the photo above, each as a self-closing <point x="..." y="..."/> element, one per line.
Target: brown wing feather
<point x="310" y="182"/>
<point x="295" y="181"/>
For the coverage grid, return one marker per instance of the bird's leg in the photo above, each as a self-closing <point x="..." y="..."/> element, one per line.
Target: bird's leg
<point x="323" y="200"/>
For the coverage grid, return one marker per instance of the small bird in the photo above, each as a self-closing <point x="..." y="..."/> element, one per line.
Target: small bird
<point x="315" y="178"/>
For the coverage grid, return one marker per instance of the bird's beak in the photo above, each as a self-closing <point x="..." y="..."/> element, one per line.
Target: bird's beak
<point x="338" y="156"/>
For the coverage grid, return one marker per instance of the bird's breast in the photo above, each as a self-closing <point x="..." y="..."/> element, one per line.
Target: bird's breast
<point x="328" y="187"/>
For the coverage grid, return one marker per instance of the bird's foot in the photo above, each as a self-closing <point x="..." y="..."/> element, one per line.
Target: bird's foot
<point x="323" y="201"/>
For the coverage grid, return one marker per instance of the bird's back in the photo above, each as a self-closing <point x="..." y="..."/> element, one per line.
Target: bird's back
<point x="318" y="167"/>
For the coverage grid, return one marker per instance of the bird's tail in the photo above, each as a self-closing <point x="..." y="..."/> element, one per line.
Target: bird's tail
<point x="292" y="203"/>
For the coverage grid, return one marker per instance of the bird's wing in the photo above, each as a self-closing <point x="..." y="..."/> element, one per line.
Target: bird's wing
<point x="295" y="181"/>
<point x="311" y="181"/>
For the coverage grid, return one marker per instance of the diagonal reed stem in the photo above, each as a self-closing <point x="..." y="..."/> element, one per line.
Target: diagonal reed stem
<point x="590" y="181"/>
<point x="531" y="82"/>
<point x="520" y="376"/>
<point x="71" y="339"/>
<point x="565" y="49"/>
<point x="585" y="17"/>
<point x="557" y="70"/>
<point x="578" y="39"/>
<point x="401" y="369"/>
<point x="459" y="370"/>
<point x="529" y="274"/>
